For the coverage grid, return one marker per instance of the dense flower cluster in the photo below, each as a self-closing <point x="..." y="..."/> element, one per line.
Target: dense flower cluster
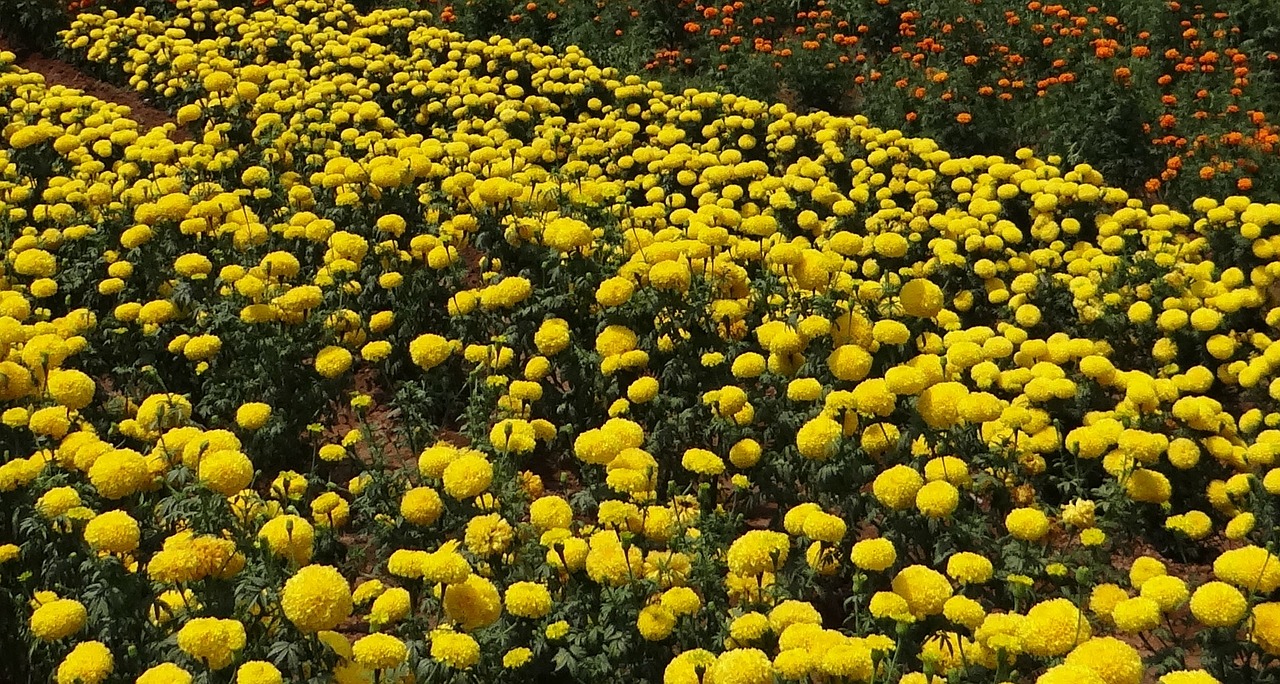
<point x="529" y="369"/>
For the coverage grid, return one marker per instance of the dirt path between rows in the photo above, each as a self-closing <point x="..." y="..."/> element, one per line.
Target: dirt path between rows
<point x="58" y="72"/>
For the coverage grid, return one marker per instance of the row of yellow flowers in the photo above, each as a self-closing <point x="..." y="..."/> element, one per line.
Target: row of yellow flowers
<point x="651" y="386"/>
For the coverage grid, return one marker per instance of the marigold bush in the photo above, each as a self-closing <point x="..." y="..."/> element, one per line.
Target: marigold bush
<point x="512" y="367"/>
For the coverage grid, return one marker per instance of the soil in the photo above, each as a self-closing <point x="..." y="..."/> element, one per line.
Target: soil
<point x="58" y="72"/>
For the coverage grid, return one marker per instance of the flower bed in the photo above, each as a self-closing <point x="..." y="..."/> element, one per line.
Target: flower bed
<point x="652" y="386"/>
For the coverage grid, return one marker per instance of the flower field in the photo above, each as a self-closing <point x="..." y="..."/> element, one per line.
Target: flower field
<point x="1169" y="98"/>
<point x="408" y="357"/>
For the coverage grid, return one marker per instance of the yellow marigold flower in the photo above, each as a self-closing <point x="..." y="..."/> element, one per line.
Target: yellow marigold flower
<point x="849" y="362"/>
<point x="1093" y="537"/>
<point x="487" y="535"/>
<point x="1252" y="568"/>
<point x="937" y="499"/>
<point x="819" y="438"/>
<point x="1266" y="627"/>
<point x="1144" y="568"/>
<point x="1079" y="513"/>
<point x="513" y="435"/>
<point x="421" y="506"/>
<point x="1167" y="591"/>
<point x="119" y="473"/>
<point x="794" y="664"/>
<point x="330" y="510"/>
<point x="874" y="555"/>
<point x="1218" y="604"/>
<point x="379" y="652"/>
<point x="112" y="532"/>
<point x="516" y="657"/>
<point x="1053" y="628"/>
<point x="467" y="476"/>
<point x="35" y="262"/>
<point x="686" y="666"/>
<point x="58" y="619"/>
<point x="333" y="361"/>
<point x="1105" y="597"/>
<point x="896" y="488"/>
<point x="681" y="601"/>
<point x="969" y="568"/>
<point x="389" y="607"/>
<point x="211" y="641"/>
<point x="1114" y="661"/>
<point x="165" y="673"/>
<point x="1135" y="615"/>
<point x="430" y="350"/>
<point x="458" y="651"/>
<point x="702" y="462"/>
<point x="225" y="471"/>
<point x="748" y="627"/>
<point x="552" y="337"/>
<point x="745" y="453"/>
<point x="824" y="527"/>
<point x="90" y="662"/>
<point x="748" y="365"/>
<point x="743" y="666"/>
<point x="642" y="390"/>
<point x="52" y="421"/>
<point x="614" y="291"/>
<point x="804" y="389"/>
<point x="557" y="630"/>
<point x="921" y="298"/>
<point x="57" y="501"/>
<point x="964" y="611"/>
<point x="367" y="591"/>
<point x="758" y="551"/>
<point x="332" y="453"/>
<point x="673" y="275"/>
<point x="925" y="590"/>
<point x="528" y="600"/>
<point x="550" y="512"/>
<point x="1069" y="674"/>
<point x="258" y="672"/>
<point x="890" y="606"/>
<point x="889" y="331"/>
<point x="1188" y="677"/>
<point x="71" y="388"/>
<point x="655" y="622"/>
<point x="1027" y="524"/>
<point x="316" y="598"/>
<point x="939" y="404"/>
<point x="253" y="415"/>
<point x="289" y="536"/>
